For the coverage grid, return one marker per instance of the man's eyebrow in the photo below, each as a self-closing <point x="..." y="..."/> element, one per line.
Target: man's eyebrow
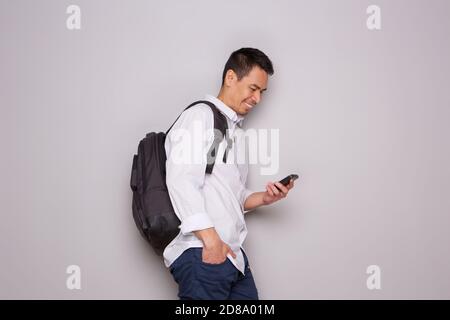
<point x="259" y="88"/>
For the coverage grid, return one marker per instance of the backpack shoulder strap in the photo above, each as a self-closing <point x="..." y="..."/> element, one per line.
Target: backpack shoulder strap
<point x="220" y="131"/>
<point x="220" y="126"/>
<point x="189" y="106"/>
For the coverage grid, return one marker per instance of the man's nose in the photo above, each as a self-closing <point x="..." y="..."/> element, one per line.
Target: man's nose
<point x="256" y="97"/>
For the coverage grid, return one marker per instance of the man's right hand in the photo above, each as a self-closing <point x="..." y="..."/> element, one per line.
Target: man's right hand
<point x="214" y="249"/>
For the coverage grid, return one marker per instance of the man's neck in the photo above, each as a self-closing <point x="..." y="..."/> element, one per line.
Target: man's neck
<point x="222" y="97"/>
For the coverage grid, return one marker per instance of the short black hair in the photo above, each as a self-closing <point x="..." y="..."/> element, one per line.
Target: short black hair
<point x="243" y="60"/>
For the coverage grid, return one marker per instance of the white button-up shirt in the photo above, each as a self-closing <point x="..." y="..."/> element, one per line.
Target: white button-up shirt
<point x="202" y="200"/>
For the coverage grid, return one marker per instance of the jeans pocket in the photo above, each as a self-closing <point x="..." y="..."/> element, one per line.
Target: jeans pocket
<point x="213" y="264"/>
<point x="200" y="257"/>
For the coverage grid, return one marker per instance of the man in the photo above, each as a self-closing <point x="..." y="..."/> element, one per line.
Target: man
<point x="206" y="259"/>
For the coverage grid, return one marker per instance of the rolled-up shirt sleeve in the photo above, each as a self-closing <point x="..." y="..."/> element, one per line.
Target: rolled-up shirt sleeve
<point x="186" y="147"/>
<point x="243" y="191"/>
<point x="243" y="195"/>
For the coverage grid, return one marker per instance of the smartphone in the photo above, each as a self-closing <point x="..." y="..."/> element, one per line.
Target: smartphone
<point x="285" y="181"/>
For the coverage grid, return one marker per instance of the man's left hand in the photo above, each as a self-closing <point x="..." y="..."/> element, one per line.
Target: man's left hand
<point x="272" y="193"/>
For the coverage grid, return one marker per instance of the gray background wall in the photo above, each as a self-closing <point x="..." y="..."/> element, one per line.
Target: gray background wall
<point x="363" y="117"/>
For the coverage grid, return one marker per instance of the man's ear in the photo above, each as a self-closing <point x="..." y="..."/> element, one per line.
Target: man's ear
<point x="230" y="77"/>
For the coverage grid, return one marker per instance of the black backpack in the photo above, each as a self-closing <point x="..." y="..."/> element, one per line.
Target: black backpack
<point x="152" y="209"/>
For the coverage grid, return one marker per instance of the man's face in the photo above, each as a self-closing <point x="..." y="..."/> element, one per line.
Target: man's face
<point x="247" y="92"/>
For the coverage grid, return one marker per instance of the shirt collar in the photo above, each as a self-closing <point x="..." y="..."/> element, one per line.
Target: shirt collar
<point x="226" y="110"/>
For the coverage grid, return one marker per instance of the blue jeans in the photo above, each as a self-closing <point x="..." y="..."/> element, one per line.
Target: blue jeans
<point x="198" y="280"/>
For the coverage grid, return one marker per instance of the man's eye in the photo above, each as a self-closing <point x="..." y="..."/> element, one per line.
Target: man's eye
<point x="253" y="89"/>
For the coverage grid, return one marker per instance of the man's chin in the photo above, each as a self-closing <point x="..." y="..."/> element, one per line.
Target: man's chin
<point x="243" y="112"/>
